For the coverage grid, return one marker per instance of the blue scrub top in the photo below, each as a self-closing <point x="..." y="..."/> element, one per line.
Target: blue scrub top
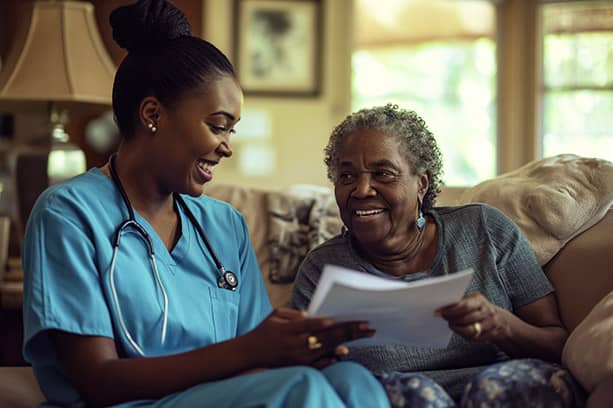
<point x="67" y="254"/>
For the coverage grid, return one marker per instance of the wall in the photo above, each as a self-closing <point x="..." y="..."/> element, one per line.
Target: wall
<point x="300" y="125"/>
<point x="193" y="9"/>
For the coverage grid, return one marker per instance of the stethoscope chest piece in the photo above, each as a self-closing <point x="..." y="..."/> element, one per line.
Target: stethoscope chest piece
<point x="227" y="280"/>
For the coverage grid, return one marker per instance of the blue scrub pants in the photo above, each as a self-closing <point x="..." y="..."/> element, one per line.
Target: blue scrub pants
<point x="344" y="384"/>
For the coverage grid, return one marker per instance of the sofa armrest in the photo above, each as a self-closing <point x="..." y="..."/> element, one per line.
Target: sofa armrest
<point x="582" y="271"/>
<point x="18" y="388"/>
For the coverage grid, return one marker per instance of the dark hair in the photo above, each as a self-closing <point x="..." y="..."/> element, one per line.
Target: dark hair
<point x="418" y="143"/>
<point x="164" y="60"/>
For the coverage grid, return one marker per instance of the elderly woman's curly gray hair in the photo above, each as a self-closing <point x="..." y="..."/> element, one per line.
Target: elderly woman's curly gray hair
<point x="419" y="146"/>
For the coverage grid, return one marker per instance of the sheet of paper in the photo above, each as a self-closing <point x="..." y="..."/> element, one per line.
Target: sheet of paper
<point x="400" y="312"/>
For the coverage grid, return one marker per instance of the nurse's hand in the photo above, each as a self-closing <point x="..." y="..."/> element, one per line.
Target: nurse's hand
<point x="289" y="337"/>
<point x="326" y="361"/>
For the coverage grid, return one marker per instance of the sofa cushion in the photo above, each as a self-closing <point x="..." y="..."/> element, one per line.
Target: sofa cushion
<point x="588" y="353"/>
<point x="253" y="204"/>
<point x="552" y="200"/>
<point x="561" y="204"/>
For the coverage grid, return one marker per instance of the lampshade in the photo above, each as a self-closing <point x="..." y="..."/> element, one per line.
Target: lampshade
<point x="60" y="57"/>
<point x="57" y="61"/>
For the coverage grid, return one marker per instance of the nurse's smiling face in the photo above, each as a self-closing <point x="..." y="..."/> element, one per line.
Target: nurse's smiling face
<point x="376" y="190"/>
<point x="195" y="134"/>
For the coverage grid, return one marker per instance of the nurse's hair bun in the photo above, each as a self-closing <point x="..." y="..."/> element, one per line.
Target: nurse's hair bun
<point x="148" y="24"/>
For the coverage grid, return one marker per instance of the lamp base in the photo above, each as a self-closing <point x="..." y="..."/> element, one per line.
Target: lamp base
<point x="29" y="174"/>
<point x="64" y="161"/>
<point x="36" y="168"/>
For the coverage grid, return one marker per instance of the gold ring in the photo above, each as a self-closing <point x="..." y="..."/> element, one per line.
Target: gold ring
<point x="478" y="329"/>
<point x="313" y="343"/>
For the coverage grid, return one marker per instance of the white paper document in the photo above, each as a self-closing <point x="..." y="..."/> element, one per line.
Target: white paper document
<point x="400" y="312"/>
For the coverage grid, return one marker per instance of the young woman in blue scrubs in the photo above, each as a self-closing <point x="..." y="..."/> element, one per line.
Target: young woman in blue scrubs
<point x="139" y="290"/>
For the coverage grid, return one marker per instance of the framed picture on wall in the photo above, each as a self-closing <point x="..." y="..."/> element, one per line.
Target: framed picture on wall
<point x="278" y="46"/>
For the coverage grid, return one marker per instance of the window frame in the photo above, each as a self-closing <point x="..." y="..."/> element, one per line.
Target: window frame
<point x="521" y="88"/>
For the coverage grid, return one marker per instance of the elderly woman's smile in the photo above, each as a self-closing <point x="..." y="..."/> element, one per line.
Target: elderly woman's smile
<point x="368" y="213"/>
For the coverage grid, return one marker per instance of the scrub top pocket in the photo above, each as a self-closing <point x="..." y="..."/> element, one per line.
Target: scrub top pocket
<point x="224" y="309"/>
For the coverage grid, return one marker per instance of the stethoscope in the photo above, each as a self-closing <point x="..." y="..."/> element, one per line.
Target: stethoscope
<point x="227" y="279"/>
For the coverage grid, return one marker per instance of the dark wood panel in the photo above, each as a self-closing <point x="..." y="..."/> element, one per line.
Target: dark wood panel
<point x="11" y="337"/>
<point x="13" y="14"/>
<point x="191" y="8"/>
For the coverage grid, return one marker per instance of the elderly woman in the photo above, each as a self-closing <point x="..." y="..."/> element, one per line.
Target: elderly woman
<point x="386" y="170"/>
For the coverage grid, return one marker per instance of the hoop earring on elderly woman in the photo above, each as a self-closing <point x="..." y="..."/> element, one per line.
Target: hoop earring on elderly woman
<point x="421" y="221"/>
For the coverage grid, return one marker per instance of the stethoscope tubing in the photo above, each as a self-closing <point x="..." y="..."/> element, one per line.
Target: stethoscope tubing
<point x="227" y="279"/>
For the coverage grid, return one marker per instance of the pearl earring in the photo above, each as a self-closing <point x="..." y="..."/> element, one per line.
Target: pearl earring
<point x="152" y="127"/>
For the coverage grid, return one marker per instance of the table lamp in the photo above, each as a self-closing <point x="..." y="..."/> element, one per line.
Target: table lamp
<point x="56" y="63"/>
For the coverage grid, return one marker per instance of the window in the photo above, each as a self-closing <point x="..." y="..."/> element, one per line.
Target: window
<point x="578" y="78"/>
<point x="438" y="58"/>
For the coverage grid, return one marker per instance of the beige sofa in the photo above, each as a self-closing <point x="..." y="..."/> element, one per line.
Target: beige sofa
<point x="581" y="271"/>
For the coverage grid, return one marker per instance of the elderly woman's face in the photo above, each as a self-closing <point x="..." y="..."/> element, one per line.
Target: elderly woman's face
<point x="376" y="191"/>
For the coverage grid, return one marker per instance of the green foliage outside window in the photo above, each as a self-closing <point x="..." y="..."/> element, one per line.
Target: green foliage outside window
<point x="452" y="85"/>
<point x="578" y="94"/>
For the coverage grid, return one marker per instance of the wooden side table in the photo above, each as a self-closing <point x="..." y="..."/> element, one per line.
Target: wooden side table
<point x="11" y="323"/>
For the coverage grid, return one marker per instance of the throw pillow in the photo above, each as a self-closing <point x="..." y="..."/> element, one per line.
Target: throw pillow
<point x="297" y="223"/>
<point x="287" y="235"/>
<point x="588" y="352"/>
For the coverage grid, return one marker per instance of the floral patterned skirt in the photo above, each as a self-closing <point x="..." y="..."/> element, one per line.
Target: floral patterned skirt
<point x="514" y="383"/>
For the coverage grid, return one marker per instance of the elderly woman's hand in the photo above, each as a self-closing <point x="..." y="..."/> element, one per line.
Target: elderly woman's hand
<point x="476" y="318"/>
